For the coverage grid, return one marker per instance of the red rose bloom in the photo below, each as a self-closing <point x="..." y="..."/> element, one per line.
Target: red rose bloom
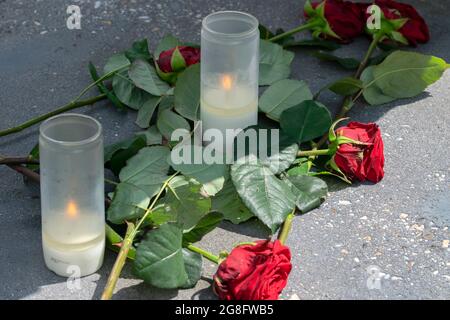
<point x="415" y="29"/>
<point x="361" y="161"/>
<point x="342" y="20"/>
<point x="191" y="56"/>
<point x="253" y="272"/>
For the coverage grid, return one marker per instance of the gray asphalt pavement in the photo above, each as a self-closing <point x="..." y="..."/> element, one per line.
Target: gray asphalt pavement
<point x="396" y="231"/>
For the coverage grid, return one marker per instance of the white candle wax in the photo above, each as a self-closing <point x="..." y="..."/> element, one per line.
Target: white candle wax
<point x="228" y="109"/>
<point x="74" y="238"/>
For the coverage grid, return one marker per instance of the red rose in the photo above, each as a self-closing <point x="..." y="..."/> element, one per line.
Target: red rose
<point x="253" y="272"/>
<point x="337" y="19"/>
<point x="175" y="60"/>
<point x="414" y="30"/>
<point x="360" y="153"/>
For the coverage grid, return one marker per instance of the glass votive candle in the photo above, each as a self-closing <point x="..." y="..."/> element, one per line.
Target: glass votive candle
<point x="229" y="72"/>
<point x="72" y="194"/>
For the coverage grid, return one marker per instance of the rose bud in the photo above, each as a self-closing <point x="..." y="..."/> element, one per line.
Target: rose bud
<point x="401" y="23"/>
<point x="256" y="271"/>
<point x="358" y="152"/>
<point x="171" y="62"/>
<point x="335" y="19"/>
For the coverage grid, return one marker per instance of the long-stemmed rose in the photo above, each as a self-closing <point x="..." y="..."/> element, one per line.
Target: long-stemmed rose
<point x="256" y="271"/>
<point x="173" y="61"/>
<point x="333" y="19"/>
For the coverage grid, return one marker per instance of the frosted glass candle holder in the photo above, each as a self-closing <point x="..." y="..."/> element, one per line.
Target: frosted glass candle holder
<point x="72" y="194"/>
<point x="229" y="72"/>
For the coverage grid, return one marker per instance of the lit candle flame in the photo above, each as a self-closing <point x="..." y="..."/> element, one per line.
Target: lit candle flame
<point x="227" y="82"/>
<point x="72" y="210"/>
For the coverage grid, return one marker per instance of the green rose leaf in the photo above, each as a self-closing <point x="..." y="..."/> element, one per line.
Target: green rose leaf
<point x="347" y="63"/>
<point x="274" y="63"/>
<point x="301" y="167"/>
<point x="193" y="267"/>
<point x="282" y="95"/>
<point x="211" y="176"/>
<point x="147" y="169"/>
<point x="187" y="93"/>
<point x="144" y="76"/>
<point x="379" y="58"/>
<point x="113" y="238"/>
<point x="160" y="260"/>
<point x="310" y="191"/>
<point x="112" y="149"/>
<point x="305" y="121"/>
<point x="169" y="209"/>
<point x="146" y="111"/>
<point x="34" y="155"/>
<point x="228" y="202"/>
<point x="168" y="42"/>
<point x="168" y="121"/>
<point x="127" y="92"/>
<point x="372" y="93"/>
<point x="116" y="61"/>
<point x="406" y="74"/>
<point x="277" y="159"/>
<point x="129" y="202"/>
<point x="151" y="135"/>
<point x="103" y="89"/>
<point x="269" y="198"/>
<point x="159" y="216"/>
<point x="141" y="179"/>
<point x="278" y="162"/>
<point x="167" y="103"/>
<point x="346" y="86"/>
<point x="139" y="51"/>
<point x="206" y="224"/>
<point x="264" y="32"/>
<point x="117" y="154"/>
<point x="186" y="204"/>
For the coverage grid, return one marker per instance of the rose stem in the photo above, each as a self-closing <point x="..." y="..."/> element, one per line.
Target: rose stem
<point x="308" y="153"/>
<point x="76" y="103"/>
<point x="18" y="160"/>
<point x="119" y="263"/>
<point x="287" y="224"/>
<point x="206" y="254"/>
<point x="369" y="53"/>
<point x="348" y="100"/>
<point x="295" y="30"/>
<point x="132" y="231"/>
<point x="67" y="107"/>
<point x="26" y="172"/>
